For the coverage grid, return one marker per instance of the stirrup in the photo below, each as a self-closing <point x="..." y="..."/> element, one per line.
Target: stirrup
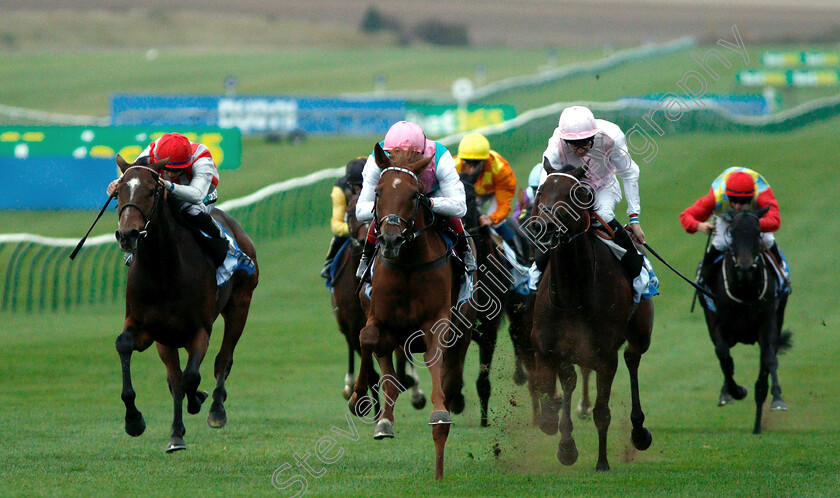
<point x="469" y="262"/>
<point x="325" y="272"/>
<point x="363" y="266"/>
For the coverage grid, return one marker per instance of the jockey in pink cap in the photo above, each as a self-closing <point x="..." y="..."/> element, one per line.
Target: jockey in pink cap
<point x="443" y="186"/>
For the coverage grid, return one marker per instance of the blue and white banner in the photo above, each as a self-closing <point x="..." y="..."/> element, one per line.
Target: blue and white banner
<point x="261" y="114"/>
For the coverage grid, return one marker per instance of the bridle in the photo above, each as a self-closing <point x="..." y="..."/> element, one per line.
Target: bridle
<point x="753" y="266"/>
<point x="146" y="219"/>
<point x="556" y="237"/>
<point x="408" y="233"/>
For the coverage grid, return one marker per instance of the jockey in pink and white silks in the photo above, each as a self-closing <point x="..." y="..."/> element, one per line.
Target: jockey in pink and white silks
<point x="600" y="146"/>
<point x="443" y="186"/>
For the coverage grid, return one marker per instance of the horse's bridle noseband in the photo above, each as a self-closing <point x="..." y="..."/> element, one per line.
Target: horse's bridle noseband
<point x="408" y="233"/>
<point x="146" y="219"/>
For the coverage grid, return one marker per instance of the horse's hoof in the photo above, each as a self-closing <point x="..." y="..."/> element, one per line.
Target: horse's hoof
<point x="418" y="400"/>
<point x="440" y="417"/>
<point x="757" y="430"/>
<point x="136" y="425"/>
<point x="602" y="466"/>
<point x="778" y="405"/>
<point x="217" y="418"/>
<point x="347" y="392"/>
<point x="194" y="402"/>
<point x="359" y="407"/>
<point x="176" y="444"/>
<point x="384" y="429"/>
<point x="583" y="412"/>
<point x="457" y="404"/>
<point x="549" y="423"/>
<point x="725" y="399"/>
<point x="641" y="438"/>
<point x="740" y="392"/>
<point x="567" y="452"/>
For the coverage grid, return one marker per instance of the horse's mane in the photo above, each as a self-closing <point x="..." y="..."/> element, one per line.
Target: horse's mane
<point x="143" y="161"/>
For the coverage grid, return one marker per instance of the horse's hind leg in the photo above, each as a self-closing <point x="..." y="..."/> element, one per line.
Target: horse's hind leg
<point x="487" y="347"/>
<point x="584" y="407"/>
<point x="235" y="317"/>
<point x="349" y="377"/>
<point x="126" y="343"/>
<point x="191" y="378"/>
<point x="567" y="452"/>
<point x="769" y="363"/>
<point x="601" y="412"/>
<point x="174" y="378"/>
<point x="640" y="436"/>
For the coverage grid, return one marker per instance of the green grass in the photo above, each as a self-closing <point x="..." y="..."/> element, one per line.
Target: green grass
<point x="62" y="416"/>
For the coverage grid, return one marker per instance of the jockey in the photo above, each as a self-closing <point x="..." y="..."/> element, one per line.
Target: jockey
<point x="190" y="177"/>
<point x="443" y="186"/>
<point x="525" y="199"/>
<point x="600" y="146"/>
<point x="732" y="191"/>
<point x="495" y="183"/>
<point x="345" y="187"/>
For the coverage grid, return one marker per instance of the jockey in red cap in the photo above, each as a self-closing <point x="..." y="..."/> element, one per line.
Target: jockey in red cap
<point x="190" y="177"/>
<point x="732" y="191"/>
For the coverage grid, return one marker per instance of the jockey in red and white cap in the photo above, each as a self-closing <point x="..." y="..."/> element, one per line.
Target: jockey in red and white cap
<point x="190" y="176"/>
<point x="441" y="179"/>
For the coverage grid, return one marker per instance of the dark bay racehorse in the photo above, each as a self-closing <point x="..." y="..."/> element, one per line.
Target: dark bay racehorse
<point x="351" y="317"/>
<point x="172" y="298"/>
<point x="494" y="276"/>
<point x="749" y="308"/>
<point x="414" y="290"/>
<point x="583" y="314"/>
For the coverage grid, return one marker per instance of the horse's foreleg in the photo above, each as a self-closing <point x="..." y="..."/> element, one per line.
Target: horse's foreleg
<point x="601" y="412"/>
<point x="485" y="353"/>
<point x="191" y="377"/>
<point x="126" y="343"/>
<point x="360" y="403"/>
<point x="640" y="436"/>
<point x="584" y="407"/>
<point x="390" y="388"/>
<point x="730" y="390"/>
<point x="349" y="377"/>
<point x="567" y="452"/>
<point x="174" y="378"/>
<point x="545" y="387"/>
<point x="235" y="319"/>
<point x="769" y="363"/>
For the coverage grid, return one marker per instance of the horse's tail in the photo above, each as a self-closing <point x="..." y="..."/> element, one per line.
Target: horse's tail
<point x="784" y="342"/>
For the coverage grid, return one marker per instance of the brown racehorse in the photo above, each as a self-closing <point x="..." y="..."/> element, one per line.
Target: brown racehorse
<point x="414" y="290"/>
<point x="172" y="298"/>
<point x="584" y="313"/>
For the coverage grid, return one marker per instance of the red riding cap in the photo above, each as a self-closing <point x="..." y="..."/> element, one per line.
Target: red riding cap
<point x="740" y="184"/>
<point x="176" y="147"/>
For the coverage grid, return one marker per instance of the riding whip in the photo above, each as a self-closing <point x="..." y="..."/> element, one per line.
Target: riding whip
<point x="699" y="289"/>
<point x="82" y="242"/>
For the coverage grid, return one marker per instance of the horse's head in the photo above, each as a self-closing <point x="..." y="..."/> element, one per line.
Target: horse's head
<point x="562" y="206"/>
<point x="138" y="195"/>
<point x="399" y="197"/>
<point x="745" y="232"/>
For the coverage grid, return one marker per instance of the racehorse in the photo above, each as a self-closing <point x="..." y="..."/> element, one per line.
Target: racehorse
<point x="414" y="291"/>
<point x="494" y="279"/>
<point x="748" y="308"/>
<point x="172" y="298"/>
<point x="350" y="315"/>
<point x="584" y="313"/>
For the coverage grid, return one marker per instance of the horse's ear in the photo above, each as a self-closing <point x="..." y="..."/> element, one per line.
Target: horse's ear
<point x="158" y="166"/>
<point x="418" y="166"/>
<point x="761" y="212"/>
<point x="122" y="163"/>
<point x="547" y="165"/>
<point x="381" y="157"/>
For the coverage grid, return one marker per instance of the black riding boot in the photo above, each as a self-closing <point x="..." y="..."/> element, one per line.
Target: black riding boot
<point x="632" y="260"/>
<point x="367" y="253"/>
<point x="707" y="266"/>
<point x="335" y="244"/>
<point x="774" y="250"/>
<point x="215" y="244"/>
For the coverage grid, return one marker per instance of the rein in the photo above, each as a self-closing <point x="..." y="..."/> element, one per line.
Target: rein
<point x="147" y="219"/>
<point x="729" y="293"/>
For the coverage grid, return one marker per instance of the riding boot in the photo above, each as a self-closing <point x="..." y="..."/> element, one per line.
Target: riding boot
<point x="128" y="258"/>
<point x="215" y="243"/>
<point x="462" y="247"/>
<point x="631" y="261"/>
<point x="335" y="244"/>
<point x="367" y="253"/>
<point x="777" y="254"/>
<point x="707" y="266"/>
